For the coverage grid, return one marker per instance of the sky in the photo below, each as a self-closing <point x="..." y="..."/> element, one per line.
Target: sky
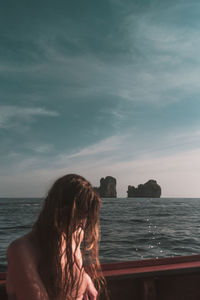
<point x="99" y="88"/>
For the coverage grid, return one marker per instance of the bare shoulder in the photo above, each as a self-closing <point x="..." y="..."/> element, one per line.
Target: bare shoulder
<point x="23" y="247"/>
<point x="16" y="245"/>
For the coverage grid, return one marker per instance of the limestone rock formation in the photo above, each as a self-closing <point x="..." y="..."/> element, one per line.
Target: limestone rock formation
<point x="150" y="189"/>
<point x="107" y="187"/>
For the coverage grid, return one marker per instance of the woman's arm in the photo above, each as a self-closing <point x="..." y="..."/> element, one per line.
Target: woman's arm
<point x="23" y="273"/>
<point x="87" y="287"/>
<point x="90" y="291"/>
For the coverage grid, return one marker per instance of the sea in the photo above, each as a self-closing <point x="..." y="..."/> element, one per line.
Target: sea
<point x="131" y="228"/>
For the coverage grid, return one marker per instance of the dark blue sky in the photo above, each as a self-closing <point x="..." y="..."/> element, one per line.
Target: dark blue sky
<point x="100" y="88"/>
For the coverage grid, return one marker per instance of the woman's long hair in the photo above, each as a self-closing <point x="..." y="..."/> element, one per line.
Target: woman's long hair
<point x="70" y="202"/>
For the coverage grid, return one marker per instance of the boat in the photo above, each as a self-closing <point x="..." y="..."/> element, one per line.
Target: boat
<point x="173" y="278"/>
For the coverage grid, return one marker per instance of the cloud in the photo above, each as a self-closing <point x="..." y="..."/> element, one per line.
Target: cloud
<point x="117" y="148"/>
<point x="10" y="115"/>
<point x="159" y="62"/>
<point x="178" y="174"/>
<point x="163" y="56"/>
<point x="106" y="146"/>
<point x="172" y="160"/>
<point x="39" y="148"/>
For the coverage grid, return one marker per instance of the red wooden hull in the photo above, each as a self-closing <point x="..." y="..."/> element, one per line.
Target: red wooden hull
<point x="176" y="278"/>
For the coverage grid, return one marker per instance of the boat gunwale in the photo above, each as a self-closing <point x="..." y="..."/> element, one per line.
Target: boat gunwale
<point x="153" y="267"/>
<point x="147" y="267"/>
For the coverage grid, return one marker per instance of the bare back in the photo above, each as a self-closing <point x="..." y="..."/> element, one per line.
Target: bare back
<point x="23" y="280"/>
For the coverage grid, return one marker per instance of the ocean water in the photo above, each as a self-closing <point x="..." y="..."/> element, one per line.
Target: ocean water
<point x="131" y="229"/>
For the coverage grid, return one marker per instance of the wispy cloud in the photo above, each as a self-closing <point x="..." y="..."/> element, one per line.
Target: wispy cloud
<point x="147" y="60"/>
<point x="9" y="115"/>
<point x="178" y="174"/>
<point x="174" y="163"/>
<point x="106" y="147"/>
<point x="40" y="148"/>
<point x="161" y="73"/>
<point x="164" y="63"/>
<point x="113" y="150"/>
<point x="153" y="68"/>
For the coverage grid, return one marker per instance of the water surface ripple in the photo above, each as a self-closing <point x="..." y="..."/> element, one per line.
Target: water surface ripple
<point x="131" y="229"/>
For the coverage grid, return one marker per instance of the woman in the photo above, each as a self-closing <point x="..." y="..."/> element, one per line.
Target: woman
<point x="49" y="263"/>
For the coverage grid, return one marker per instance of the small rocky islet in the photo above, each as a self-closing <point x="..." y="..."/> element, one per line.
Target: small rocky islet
<point x="150" y="189"/>
<point x="107" y="189"/>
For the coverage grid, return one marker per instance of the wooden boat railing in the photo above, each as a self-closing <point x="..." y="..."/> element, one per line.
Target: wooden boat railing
<point x="175" y="278"/>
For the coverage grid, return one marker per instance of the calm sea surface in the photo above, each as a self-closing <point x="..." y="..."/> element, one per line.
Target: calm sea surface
<point x="131" y="229"/>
